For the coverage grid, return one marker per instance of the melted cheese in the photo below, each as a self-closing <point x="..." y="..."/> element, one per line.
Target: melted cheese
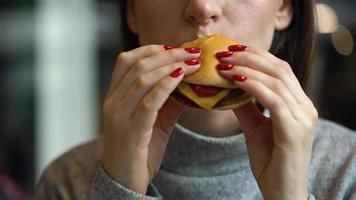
<point x="204" y="102"/>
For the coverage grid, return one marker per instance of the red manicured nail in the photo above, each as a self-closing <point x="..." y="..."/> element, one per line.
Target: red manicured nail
<point x="192" y="62"/>
<point x="239" y="77"/>
<point x="177" y="72"/>
<point x="169" y="47"/>
<point x="193" y="50"/>
<point x="237" y="47"/>
<point x="224" y="54"/>
<point x="225" y="66"/>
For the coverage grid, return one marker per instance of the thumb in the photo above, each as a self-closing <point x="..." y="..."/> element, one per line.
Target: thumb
<point x="249" y="117"/>
<point x="169" y="113"/>
<point x="167" y="117"/>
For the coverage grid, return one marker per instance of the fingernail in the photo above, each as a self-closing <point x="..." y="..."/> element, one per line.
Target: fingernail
<point x="192" y="62"/>
<point x="224" y="54"/>
<point x="169" y="47"/>
<point x="193" y="50"/>
<point x="237" y="47"/>
<point x="225" y="66"/>
<point x="177" y="72"/>
<point x="239" y="77"/>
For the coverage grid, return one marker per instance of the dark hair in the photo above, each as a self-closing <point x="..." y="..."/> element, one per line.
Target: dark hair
<point x="296" y="44"/>
<point x="129" y="40"/>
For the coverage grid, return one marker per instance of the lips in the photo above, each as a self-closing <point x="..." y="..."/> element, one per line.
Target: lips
<point x="199" y="32"/>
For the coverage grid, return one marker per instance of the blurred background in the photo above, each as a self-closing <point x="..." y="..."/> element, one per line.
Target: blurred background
<point x="56" y="59"/>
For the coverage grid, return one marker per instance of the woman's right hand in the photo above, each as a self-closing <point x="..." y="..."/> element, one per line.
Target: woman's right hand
<point x="138" y="114"/>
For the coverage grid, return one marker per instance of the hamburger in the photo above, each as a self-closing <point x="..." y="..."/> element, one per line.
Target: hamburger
<point x="206" y="88"/>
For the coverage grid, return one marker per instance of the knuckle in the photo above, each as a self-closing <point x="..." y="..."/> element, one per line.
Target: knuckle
<point x="154" y="48"/>
<point x="174" y="54"/>
<point x="281" y="72"/>
<point x="254" y="49"/>
<point x="249" y="56"/>
<point x="110" y="111"/>
<point x="315" y="114"/>
<point x="313" y="111"/>
<point x="283" y="67"/>
<point x="276" y="103"/>
<point x="284" y="64"/>
<point x="146" y="105"/>
<point x="310" y="122"/>
<point x="139" y="66"/>
<point x="309" y="127"/>
<point x="123" y="57"/>
<point x="142" y="81"/>
<point x="165" y="85"/>
<point x="278" y="86"/>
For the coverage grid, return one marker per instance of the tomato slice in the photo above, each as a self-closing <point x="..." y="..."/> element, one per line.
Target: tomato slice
<point x="205" y="91"/>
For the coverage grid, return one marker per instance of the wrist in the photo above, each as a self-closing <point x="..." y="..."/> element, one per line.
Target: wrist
<point x="124" y="172"/>
<point x="295" y="195"/>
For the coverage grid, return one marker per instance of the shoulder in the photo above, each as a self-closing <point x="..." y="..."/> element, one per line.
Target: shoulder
<point x="70" y="176"/>
<point x="332" y="170"/>
<point x="333" y="129"/>
<point x="334" y="138"/>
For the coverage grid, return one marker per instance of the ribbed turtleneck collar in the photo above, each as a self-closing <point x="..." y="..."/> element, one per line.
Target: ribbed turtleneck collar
<point x="192" y="154"/>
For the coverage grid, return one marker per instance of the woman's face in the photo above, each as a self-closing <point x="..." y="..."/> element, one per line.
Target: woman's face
<point x="252" y="22"/>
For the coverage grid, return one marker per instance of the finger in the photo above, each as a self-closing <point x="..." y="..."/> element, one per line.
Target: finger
<point x="165" y="120"/>
<point x="268" y="65"/>
<point x="277" y="62"/>
<point x="262" y="53"/>
<point x="151" y="63"/>
<point x="146" y="82"/>
<point x="126" y="59"/>
<point x="277" y="86"/>
<point x="280" y="114"/>
<point x="249" y="117"/>
<point x="148" y="108"/>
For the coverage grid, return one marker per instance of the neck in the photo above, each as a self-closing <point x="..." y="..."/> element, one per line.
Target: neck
<point x="210" y="123"/>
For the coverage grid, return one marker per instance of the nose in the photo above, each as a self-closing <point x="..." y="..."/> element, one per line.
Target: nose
<point x="202" y="12"/>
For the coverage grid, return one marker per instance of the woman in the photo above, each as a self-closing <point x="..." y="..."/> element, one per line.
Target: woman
<point x="154" y="148"/>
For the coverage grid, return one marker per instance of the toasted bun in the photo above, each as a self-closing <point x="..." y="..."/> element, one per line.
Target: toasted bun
<point x="207" y="75"/>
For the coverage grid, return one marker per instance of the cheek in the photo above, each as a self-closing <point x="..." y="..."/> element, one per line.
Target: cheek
<point x="254" y="22"/>
<point x="158" y="21"/>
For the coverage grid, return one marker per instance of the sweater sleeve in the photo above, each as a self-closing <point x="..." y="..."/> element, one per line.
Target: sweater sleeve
<point x="311" y="197"/>
<point x="104" y="187"/>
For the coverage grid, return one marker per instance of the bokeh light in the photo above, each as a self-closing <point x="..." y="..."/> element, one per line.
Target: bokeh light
<point x="327" y="19"/>
<point x="342" y="41"/>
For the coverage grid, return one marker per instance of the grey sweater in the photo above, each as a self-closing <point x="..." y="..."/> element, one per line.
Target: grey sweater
<point x="198" y="167"/>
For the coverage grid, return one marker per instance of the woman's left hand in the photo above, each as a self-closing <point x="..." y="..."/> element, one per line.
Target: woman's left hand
<point x="279" y="146"/>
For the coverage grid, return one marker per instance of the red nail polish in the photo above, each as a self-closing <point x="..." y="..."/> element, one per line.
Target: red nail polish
<point x="239" y="77"/>
<point x="177" y="72"/>
<point x="193" y="50"/>
<point x="238" y="47"/>
<point x="169" y="47"/>
<point x="225" y="66"/>
<point x="224" y="54"/>
<point x="192" y="62"/>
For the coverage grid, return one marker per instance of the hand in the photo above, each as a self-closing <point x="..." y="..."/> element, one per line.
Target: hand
<point x="279" y="147"/>
<point x="138" y="114"/>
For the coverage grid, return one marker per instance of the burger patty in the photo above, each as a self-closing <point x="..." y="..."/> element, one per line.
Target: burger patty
<point x="234" y="95"/>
